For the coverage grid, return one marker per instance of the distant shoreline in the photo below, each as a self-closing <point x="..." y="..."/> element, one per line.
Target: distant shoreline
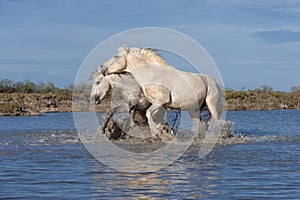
<point x="34" y="104"/>
<point x="262" y="99"/>
<point x="30" y="99"/>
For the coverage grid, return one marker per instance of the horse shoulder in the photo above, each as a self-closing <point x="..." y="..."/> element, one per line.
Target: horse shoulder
<point x="156" y="93"/>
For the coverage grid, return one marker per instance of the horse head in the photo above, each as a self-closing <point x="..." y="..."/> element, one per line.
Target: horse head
<point x="116" y="64"/>
<point x="100" y="87"/>
<point x="128" y="59"/>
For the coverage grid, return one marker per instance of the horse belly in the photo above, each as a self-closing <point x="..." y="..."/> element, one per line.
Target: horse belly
<point x="189" y="94"/>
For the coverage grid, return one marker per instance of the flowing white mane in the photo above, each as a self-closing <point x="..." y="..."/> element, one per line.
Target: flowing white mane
<point x="149" y="55"/>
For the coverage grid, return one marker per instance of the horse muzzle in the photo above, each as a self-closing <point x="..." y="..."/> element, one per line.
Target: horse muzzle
<point x="95" y="99"/>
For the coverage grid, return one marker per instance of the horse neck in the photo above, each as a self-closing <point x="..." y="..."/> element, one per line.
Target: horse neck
<point x="134" y="60"/>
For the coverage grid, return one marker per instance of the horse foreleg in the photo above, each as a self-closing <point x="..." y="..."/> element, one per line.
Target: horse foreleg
<point x="154" y="119"/>
<point x="105" y="121"/>
<point x="121" y="108"/>
<point x="132" y="112"/>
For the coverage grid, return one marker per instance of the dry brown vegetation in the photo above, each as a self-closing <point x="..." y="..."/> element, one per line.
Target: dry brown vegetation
<point x="28" y="98"/>
<point x="34" y="103"/>
<point x="262" y="99"/>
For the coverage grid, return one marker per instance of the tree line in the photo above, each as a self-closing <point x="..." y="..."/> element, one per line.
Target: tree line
<point x="263" y="98"/>
<point x="27" y="86"/>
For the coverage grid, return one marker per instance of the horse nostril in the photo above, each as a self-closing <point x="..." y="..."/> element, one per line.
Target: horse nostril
<point x="94" y="99"/>
<point x="97" y="101"/>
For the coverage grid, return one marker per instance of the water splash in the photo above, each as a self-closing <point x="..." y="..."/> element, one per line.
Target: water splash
<point x="61" y="137"/>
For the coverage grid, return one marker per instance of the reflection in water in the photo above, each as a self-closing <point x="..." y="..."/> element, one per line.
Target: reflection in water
<point x="186" y="178"/>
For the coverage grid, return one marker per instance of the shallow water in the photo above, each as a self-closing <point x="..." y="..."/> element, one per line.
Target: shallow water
<point x="42" y="157"/>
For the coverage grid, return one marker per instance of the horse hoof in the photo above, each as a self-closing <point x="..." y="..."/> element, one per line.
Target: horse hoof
<point x="163" y="135"/>
<point x="165" y="128"/>
<point x="101" y="131"/>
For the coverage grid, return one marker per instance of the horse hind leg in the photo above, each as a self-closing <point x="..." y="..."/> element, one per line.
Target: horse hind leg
<point x="214" y="100"/>
<point x="215" y="107"/>
<point x="214" y="111"/>
<point x="205" y="115"/>
<point x="199" y="127"/>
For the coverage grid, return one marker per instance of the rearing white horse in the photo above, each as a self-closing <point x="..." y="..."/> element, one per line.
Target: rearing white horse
<point x="164" y="86"/>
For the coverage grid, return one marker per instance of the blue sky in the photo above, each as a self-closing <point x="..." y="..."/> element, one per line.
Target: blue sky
<point x="253" y="43"/>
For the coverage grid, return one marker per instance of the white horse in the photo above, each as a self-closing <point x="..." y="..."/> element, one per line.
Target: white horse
<point x="164" y="86"/>
<point x="130" y="96"/>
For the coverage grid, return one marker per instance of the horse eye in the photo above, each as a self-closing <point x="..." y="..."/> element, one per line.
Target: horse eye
<point x="98" y="82"/>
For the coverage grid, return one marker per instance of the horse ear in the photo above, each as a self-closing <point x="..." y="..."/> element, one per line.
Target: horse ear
<point x="102" y="70"/>
<point x="123" y="49"/>
<point x="99" y="68"/>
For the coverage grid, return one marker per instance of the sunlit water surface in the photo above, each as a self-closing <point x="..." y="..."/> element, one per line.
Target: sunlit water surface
<point x="43" y="157"/>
